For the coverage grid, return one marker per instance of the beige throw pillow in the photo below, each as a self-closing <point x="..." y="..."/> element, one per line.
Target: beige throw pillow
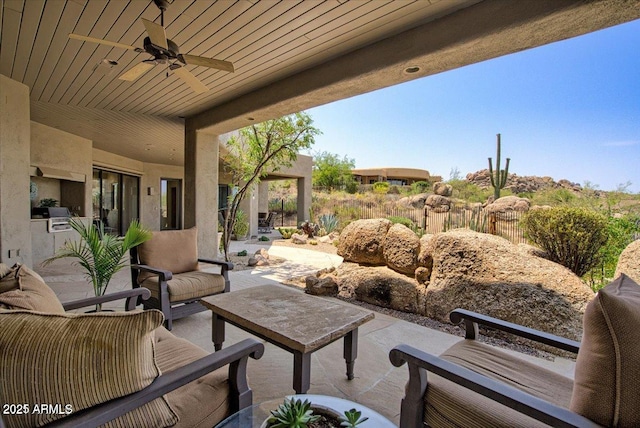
<point x="172" y="250"/>
<point x="79" y="361"/>
<point x="22" y="288"/>
<point x="607" y="376"/>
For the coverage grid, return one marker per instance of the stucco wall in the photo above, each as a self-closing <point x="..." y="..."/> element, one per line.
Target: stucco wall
<point x="15" y="132"/>
<point x="150" y="204"/>
<point x="51" y="147"/>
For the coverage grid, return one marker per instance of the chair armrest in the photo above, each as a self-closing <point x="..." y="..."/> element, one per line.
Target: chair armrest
<point x="130" y="295"/>
<point x="164" y="275"/>
<point x="472" y="319"/>
<point x="225" y="265"/>
<point x="235" y="356"/>
<point x="419" y="362"/>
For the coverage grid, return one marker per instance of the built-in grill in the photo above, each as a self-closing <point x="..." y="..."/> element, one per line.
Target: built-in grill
<point x="58" y="218"/>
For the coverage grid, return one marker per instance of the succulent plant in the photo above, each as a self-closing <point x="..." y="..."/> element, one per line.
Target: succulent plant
<point x="293" y="413"/>
<point x="329" y="222"/>
<point x="352" y="418"/>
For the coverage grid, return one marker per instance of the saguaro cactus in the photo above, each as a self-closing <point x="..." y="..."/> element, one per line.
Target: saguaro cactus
<point x="499" y="179"/>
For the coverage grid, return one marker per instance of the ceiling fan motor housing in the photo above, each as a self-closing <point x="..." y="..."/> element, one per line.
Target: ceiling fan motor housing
<point x="159" y="52"/>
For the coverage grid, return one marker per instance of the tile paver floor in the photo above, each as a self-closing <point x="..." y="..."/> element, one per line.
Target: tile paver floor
<point x="377" y="383"/>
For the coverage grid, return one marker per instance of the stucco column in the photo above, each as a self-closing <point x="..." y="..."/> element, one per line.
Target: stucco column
<point x="15" y="143"/>
<point x="263" y="197"/>
<point x="304" y="199"/>
<point x="201" y="153"/>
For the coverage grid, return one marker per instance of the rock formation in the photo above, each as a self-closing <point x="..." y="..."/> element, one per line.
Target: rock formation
<point x="460" y="269"/>
<point x="362" y="241"/>
<point x="509" y="203"/>
<point x="629" y="261"/>
<point x="524" y="184"/>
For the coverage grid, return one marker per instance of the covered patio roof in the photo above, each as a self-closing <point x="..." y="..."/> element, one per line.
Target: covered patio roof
<point x="288" y="56"/>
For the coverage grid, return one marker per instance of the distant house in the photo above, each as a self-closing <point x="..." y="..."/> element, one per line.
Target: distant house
<point x="394" y="176"/>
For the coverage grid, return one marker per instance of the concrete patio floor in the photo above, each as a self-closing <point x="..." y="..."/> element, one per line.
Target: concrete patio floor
<point x="377" y="383"/>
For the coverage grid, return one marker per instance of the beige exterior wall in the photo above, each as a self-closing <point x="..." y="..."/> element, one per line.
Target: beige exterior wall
<point x="51" y="147"/>
<point x="15" y="135"/>
<point x="150" y="191"/>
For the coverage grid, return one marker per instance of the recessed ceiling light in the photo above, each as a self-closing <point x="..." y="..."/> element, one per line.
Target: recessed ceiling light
<point x="411" y="70"/>
<point x="110" y="62"/>
<point x="250" y="119"/>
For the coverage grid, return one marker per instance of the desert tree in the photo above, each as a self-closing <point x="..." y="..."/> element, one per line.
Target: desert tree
<point x="259" y="149"/>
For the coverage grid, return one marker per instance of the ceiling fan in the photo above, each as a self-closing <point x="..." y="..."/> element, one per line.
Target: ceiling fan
<point x="163" y="51"/>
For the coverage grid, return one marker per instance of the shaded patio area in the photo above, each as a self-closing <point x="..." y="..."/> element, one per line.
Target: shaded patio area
<point x="377" y="384"/>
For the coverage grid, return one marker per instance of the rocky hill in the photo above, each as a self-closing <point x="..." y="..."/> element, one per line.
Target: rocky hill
<point x="518" y="184"/>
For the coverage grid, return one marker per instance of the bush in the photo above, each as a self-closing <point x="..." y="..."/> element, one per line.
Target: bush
<point x="381" y="187"/>
<point x="420" y="187"/>
<point x="571" y="237"/>
<point x="328" y="222"/>
<point x="621" y="231"/>
<point x="402" y="220"/>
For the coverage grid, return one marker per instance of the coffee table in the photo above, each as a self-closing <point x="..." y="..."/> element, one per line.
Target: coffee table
<point x="294" y="321"/>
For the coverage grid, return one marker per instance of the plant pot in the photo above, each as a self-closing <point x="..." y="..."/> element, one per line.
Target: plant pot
<point x="318" y="409"/>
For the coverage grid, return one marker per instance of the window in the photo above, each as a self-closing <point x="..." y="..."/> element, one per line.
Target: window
<point x="115" y="199"/>
<point x="170" y="204"/>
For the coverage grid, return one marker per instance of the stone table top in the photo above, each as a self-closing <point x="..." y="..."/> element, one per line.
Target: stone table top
<point x="288" y="317"/>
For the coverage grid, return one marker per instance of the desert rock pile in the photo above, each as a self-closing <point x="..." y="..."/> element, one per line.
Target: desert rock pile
<point x="629" y="261"/>
<point x="389" y="266"/>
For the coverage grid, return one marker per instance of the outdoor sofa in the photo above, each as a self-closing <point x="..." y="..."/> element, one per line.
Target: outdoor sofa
<point x="472" y="384"/>
<point x="121" y="368"/>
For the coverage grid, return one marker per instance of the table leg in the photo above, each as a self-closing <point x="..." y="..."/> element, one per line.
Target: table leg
<point x="351" y="351"/>
<point x="301" y="372"/>
<point x="217" y="329"/>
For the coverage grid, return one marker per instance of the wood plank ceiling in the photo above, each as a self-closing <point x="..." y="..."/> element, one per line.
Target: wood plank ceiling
<point x="73" y="87"/>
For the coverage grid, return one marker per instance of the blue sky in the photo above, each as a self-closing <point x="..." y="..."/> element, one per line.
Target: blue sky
<point x="569" y="110"/>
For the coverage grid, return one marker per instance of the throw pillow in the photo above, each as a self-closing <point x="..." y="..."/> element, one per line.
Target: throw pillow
<point x="25" y="289"/>
<point x="172" y="250"/>
<point x="607" y="376"/>
<point x="77" y="361"/>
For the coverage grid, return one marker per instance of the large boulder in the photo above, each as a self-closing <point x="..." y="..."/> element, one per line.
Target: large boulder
<point x="442" y="189"/>
<point x="381" y="286"/>
<point x="401" y="247"/>
<point x="438" y="203"/>
<point x="509" y="203"/>
<point x="629" y="261"/>
<point x="415" y="201"/>
<point x="362" y="241"/>
<point x="488" y="274"/>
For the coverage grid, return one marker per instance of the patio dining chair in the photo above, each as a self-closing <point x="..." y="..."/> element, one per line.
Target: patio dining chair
<point x="113" y="369"/>
<point x="472" y="384"/>
<point x="169" y="266"/>
<point x="265" y="225"/>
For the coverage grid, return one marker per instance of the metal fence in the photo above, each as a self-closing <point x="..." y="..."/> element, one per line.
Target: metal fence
<point x="505" y="224"/>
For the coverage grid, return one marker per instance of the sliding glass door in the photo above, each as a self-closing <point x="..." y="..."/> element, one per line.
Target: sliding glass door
<point x="115" y="200"/>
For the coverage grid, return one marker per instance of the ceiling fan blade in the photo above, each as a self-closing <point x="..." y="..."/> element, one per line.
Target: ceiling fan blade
<point x="156" y="33"/>
<point x="191" y="80"/>
<point x="208" y="62"/>
<point x="102" y="42"/>
<point x="137" y="71"/>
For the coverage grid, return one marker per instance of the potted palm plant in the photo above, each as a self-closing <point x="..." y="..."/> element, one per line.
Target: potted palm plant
<point x="101" y="255"/>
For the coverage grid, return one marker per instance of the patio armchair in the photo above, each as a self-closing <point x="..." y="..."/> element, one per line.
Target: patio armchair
<point x="265" y="224"/>
<point x="168" y="265"/>
<point x="60" y="369"/>
<point x="472" y="384"/>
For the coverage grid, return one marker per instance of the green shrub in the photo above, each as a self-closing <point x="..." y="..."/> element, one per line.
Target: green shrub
<point x="420" y="187"/>
<point x="571" y="237"/>
<point x="402" y="220"/>
<point x="621" y="232"/>
<point x="381" y="187"/>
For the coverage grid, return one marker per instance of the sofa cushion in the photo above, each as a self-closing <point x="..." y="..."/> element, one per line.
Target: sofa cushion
<point x="80" y="360"/>
<point x="607" y="375"/>
<point x="25" y="289"/>
<point x="448" y="404"/>
<point x="212" y="389"/>
<point x="172" y="250"/>
<point x="187" y="286"/>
